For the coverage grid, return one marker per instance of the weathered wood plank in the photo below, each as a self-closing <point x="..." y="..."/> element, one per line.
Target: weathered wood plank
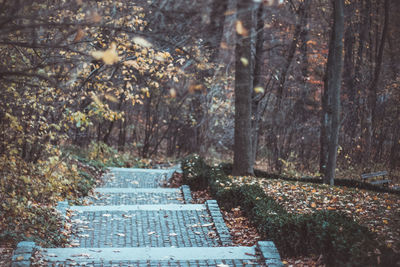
<point x="373" y="174"/>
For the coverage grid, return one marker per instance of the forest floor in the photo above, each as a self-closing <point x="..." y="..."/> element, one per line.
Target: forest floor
<point x="380" y="212"/>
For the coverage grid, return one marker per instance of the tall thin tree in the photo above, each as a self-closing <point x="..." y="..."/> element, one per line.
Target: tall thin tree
<point x="242" y="161"/>
<point x="330" y="122"/>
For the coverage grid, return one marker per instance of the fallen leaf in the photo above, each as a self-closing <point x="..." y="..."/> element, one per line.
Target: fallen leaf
<point x="95" y="17"/>
<point x="109" y="56"/>
<point x="132" y="63"/>
<point x="20" y="258"/>
<point x="81" y="255"/>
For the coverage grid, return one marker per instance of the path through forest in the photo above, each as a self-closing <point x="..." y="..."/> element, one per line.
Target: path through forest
<point x="133" y="221"/>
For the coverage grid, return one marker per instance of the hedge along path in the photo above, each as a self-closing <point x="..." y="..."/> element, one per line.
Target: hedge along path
<point x="132" y="221"/>
<point x="378" y="211"/>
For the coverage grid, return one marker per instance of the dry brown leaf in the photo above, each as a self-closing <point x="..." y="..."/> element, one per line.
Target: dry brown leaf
<point x="79" y="35"/>
<point x="95" y="17"/>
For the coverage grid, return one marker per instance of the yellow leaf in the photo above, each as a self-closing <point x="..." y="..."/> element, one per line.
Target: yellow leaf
<point x="385" y="221"/>
<point x="109" y="57"/>
<point x="244" y="61"/>
<point x="260" y="90"/>
<point x="132" y="63"/>
<point x="313" y="205"/>
<point x="111" y="98"/>
<point x="96" y="100"/>
<point x="129" y="86"/>
<point x="240" y="29"/>
<point x="172" y="92"/>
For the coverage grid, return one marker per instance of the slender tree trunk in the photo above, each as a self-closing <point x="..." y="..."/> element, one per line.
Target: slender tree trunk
<point x="394" y="157"/>
<point x="290" y="57"/>
<point x="122" y="134"/>
<point x="242" y="160"/>
<point x="331" y="104"/>
<point x="216" y="25"/>
<point x="257" y="81"/>
<point x="358" y="79"/>
<point x="348" y="81"/>
<point x="372" y="90"/>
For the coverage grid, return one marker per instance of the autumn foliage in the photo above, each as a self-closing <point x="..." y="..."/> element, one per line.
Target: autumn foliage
<point x="90" y="84"/>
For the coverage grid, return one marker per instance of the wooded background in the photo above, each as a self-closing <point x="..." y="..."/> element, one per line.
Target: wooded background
<point x="168" y="86"/>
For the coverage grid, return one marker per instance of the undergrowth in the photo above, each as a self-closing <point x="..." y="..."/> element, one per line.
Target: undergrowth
<point x="29" y="191"/>
<point x="338" y="238"/>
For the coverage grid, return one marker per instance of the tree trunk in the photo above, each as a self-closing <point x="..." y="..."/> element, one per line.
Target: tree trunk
<point x="372" y="90"/>
<point x="331" y="101"/>
<point x="257" y="81"/>
<point x="242" y="159"/>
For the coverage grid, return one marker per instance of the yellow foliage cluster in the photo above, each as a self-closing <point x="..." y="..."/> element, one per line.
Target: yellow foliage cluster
<point x="29" y="191"/>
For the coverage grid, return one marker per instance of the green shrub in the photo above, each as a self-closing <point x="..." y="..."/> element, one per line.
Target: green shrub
<point x="86" y="183"/>
<point x="195" y="172"/>
<point x="340" y="240"/>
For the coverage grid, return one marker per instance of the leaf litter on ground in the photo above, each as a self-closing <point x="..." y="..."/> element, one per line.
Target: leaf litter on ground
<point x="378" y="211"/>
